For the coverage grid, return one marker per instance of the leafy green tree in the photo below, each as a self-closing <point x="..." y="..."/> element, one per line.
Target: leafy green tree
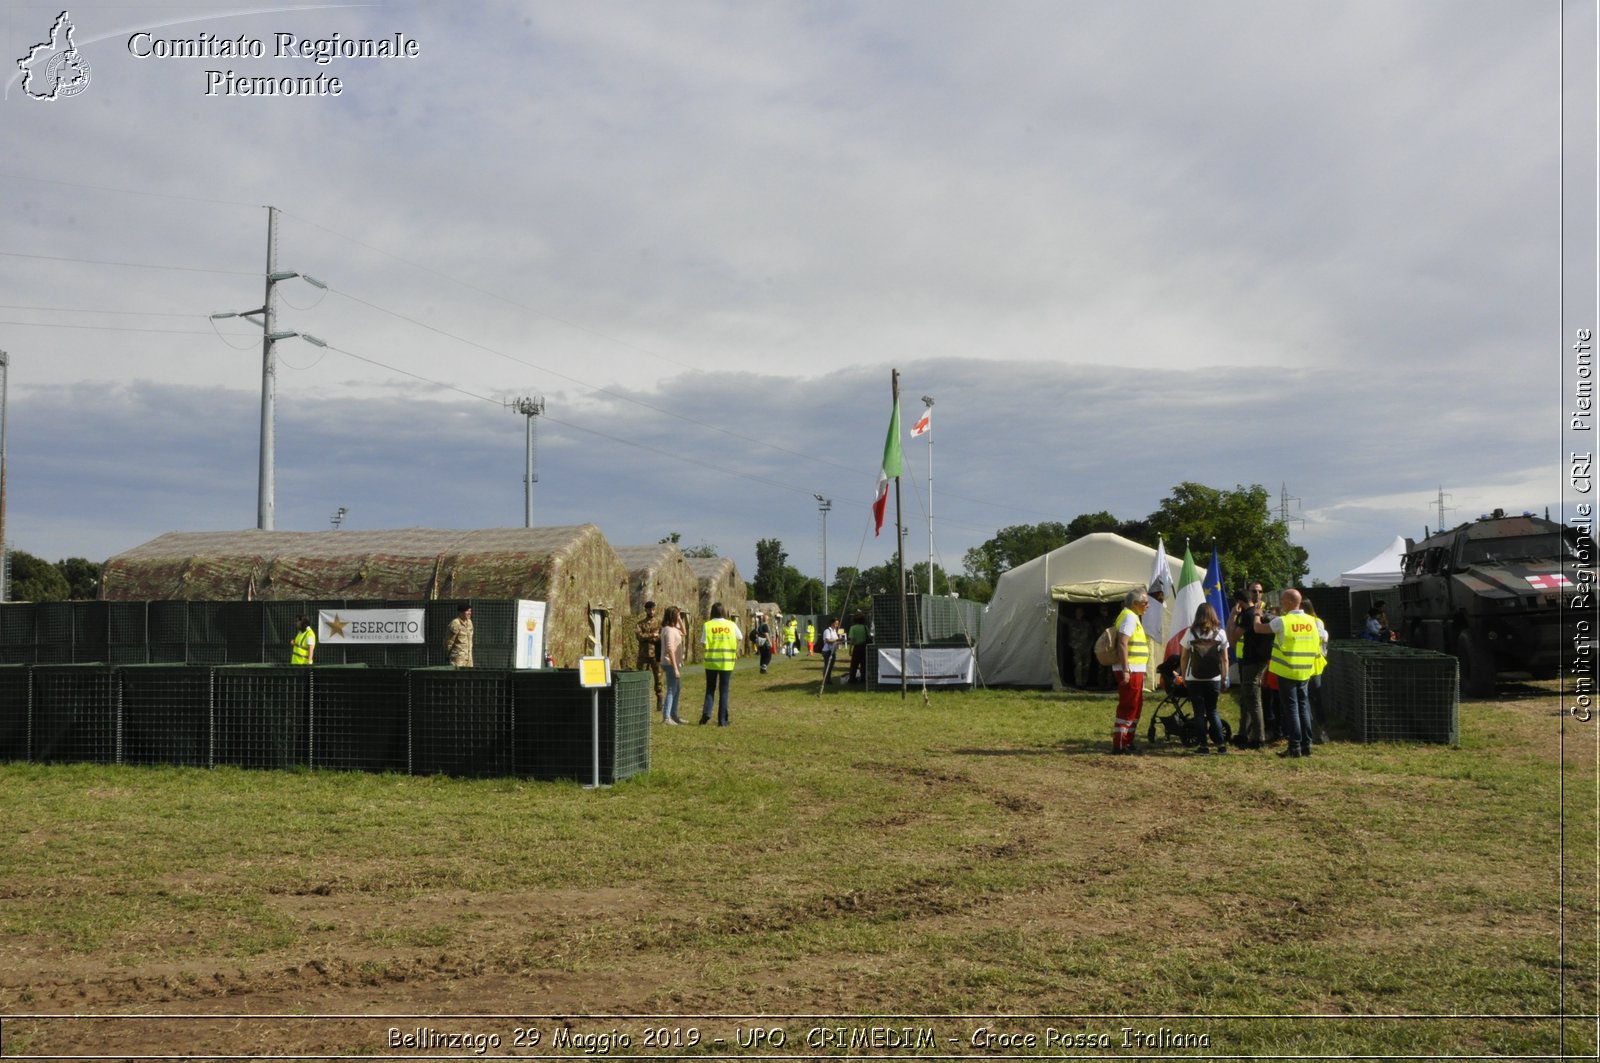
<point x="705" y="549"/>
<point x="82" y="576"/>
<point x="671" y="537"/>
<point x="1013" y="546"/>
<point x="770" y="563"/>
<point x="1250" y="543"/>
<point x="1090" y="523"/>
<point x="972" y="588"/>
<point x="34" y="579"/>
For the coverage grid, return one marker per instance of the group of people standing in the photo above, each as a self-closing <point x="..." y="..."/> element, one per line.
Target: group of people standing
<point x="1283" y="651"/>
<point x="663" y="651"/>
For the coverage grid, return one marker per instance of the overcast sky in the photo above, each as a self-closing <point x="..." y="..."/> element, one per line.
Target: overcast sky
<point x="1122" y="244"/>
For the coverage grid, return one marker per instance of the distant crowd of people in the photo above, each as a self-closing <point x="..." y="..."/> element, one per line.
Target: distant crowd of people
<point x="663" y="644"/>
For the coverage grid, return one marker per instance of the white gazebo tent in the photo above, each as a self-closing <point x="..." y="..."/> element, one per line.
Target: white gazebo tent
<point x="1384" y="570"/>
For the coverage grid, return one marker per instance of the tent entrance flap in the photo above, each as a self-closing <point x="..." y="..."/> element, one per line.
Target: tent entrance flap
<point x="1095" y="590"/>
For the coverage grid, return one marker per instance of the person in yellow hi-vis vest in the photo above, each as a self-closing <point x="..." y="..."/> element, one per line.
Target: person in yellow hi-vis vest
<point x="1133" y="655"/>
<point x="1296" y="645"/>
<point x="721" y="638"/>
<point x="811" y="638"/>
<point x="304" y="646"/>
<point x="790" y="634"/>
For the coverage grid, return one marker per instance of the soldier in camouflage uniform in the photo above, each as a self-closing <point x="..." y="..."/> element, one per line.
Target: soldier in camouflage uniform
<point x="650" y="646"/>
<point x="458" y="643"/>
<point x="1080" y="638"/>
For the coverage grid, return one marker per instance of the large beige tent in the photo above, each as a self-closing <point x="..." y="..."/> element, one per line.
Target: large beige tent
<point x="1021" y="637"/>
<point x="659" y="574"/>
<point x="719" y="581"/>
<point x="572" y="569"/>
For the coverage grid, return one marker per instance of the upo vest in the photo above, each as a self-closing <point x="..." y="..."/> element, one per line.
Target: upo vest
<point x="722" y="646"/>
<point x="1138" y="642"/>
<point x="1296" y="649"/>
<point x="304" y="643"/>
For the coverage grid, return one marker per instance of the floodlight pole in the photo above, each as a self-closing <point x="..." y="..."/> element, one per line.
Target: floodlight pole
<point x="530" y="408"/>
<point x="823" y="506"/>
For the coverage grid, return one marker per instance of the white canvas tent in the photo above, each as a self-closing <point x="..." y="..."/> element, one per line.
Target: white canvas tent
<point x="1381" y="571"/>
<point x="1019" y="639"/>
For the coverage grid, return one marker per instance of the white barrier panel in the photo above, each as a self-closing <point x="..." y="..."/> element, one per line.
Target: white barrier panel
<point x="934" y="666"/>
<point x="530" y="634"/>
<point x="348" y="626"/>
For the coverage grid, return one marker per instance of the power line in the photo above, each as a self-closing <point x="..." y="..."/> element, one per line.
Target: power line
<point x="130" y="265"/>
<point x="87" y="310"/>
<point x="808" y="457"/>
<point x="125" y="191"/>
<point x="468" y="285"/>
<point x="596" y="388"/>
<point x="108" y="328"/>
<point x="674" y="455"/>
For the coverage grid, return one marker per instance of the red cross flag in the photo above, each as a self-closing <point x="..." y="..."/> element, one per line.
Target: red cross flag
<point x="1548" y="582"/>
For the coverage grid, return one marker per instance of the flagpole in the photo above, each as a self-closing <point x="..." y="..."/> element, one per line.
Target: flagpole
<point x="900" y="544"/>
<point x="927" y="400"/>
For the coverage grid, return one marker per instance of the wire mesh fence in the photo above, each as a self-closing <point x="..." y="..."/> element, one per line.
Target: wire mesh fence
<point x="1382" y="692"/>
<point x="930" y="620"/>
<point x="467" y="722"/>
<point x="262" y="716"/>
<point x="185" y="632"/>
<point x="461" y="722"/>
<point x="165" y="714"/>
<point x="14" y="692"/>
<point x="73" y="714"/>
<point x="555" y="722"/>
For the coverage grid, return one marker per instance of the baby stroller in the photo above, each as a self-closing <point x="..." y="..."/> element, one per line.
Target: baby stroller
<point x="1174" y="717"/>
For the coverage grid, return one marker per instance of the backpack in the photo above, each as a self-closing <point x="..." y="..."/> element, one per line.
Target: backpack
<point x="1205" y="658"/>
<point x="1105" y="647"/>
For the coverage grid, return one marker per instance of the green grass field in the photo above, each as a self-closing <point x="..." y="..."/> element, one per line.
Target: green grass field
<point x="849" y="854"/>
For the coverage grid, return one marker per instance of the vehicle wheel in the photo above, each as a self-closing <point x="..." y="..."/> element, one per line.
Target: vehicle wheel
<point x="1150" y="732"/>
<point x="1477" y="668"/>
<point x="1227" y="733"/>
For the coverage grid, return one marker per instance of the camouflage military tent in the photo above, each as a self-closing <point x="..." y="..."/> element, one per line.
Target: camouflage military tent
<point x="719" y="581"/>
<point x="572" y="569"/>
<point x="659" y="574"/>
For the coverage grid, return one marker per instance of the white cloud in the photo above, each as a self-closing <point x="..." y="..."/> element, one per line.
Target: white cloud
<point x="1068" y="220"/>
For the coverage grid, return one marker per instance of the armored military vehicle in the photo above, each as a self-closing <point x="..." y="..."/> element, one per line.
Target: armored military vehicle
<point x="1494" y="593"/>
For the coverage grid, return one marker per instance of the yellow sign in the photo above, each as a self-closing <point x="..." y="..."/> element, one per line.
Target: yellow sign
<point x="594" y="672"/>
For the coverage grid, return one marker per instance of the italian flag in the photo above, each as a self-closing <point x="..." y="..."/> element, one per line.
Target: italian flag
<point x="890" y="470"/>
<point x="1191" y="595"/>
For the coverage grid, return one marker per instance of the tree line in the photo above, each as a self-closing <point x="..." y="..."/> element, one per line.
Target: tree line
<point x="34" y="579"/>
<point x="1250" y="542"/>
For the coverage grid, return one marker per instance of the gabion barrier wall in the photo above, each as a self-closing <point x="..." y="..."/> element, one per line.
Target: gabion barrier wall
<point x="470" y="722"/>
<point x="182" y="632"/>
<point x="1382" y="692"/>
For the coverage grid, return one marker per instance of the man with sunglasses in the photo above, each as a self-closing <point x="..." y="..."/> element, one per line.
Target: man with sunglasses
<point x="1253" y="661"/>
